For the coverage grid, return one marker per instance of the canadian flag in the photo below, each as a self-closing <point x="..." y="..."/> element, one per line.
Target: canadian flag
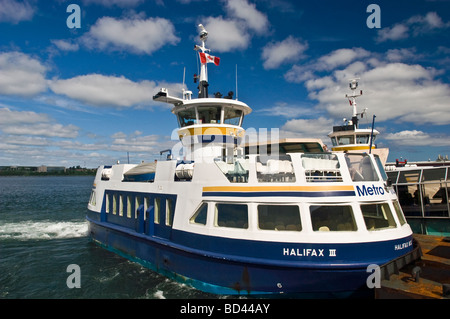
<point x="206" y="58"/>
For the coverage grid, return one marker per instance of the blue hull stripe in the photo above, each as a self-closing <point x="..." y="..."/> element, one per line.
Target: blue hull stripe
<point x="246" y="266"/>
<point x="280" y="194"/>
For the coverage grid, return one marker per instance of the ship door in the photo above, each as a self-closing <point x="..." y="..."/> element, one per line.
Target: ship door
<point x="163" y="213"/>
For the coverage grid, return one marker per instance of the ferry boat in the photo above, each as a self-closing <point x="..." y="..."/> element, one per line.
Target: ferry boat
<point x="227" y="222"/>
<point x="349" y="137"/>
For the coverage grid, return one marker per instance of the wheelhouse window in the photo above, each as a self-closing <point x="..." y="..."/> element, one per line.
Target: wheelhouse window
<point x="332" y="218"/>
<point x="232" y="116"/>
<point x="279" y="217"/>
<point x="187" y="117"/>
<point x="209" y="114"/>
<point x="344" y="140"/>
<point x="377" y="216"/>
<point x="231" y="215"/>
<point x="362" y="139"/>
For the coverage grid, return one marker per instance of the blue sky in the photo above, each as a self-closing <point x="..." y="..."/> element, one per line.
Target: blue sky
<point x="83" y="96"/>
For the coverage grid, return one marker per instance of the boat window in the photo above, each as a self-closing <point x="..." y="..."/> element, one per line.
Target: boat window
<point x="138" y="203"/>
<point x="377" y="216"/>
<point x="332" y="218"/>
<point x="115" y="200"/>
<point x="399" y="212"/>
<point x="279" y="217"/>
<point x="232" y="116"/>
<point x="209" y="114"/>
<point x="169" y="212"/>
<point x="361" y="167"/>
<point x="187" y="117"/>
<point x="108" y="203"/>
<point x="362" y="139"/>
<point x="92" y="199"/>
<point x="121" y="205"/>
<point x="344" y="140"/>
<point x="129" y="201"/>
<point x="231" y="215"/>
<point x="157" y="209"/>
<point x="321" y="168"/>
<point x="275" y="169"/>
<point x="200" y="215"/>
<point x="381" y="168"/>
<point x="236" y="170"/>
<point x="333" y="141"/>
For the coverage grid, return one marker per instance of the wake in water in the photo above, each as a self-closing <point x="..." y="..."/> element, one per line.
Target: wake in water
<point x="28" y="230"/>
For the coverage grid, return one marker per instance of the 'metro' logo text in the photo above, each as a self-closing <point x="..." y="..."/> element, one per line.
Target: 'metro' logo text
<point x="369" y="191"/>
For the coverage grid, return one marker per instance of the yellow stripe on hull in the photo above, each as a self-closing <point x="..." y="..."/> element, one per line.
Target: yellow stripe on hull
<point x="277" y="188"/>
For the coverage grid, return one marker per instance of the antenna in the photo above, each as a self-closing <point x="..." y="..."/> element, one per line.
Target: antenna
<point x="236" y="84"/>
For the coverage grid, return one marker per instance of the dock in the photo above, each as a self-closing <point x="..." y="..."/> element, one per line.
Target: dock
<point x="426" y="278"/>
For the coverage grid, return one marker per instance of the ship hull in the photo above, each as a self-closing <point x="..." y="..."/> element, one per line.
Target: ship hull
<point x="245" y="267"/>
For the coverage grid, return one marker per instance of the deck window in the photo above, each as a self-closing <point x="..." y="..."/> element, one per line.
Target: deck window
<point x="275" y="169"/>
<point x="279" y="217"/>
<point x="231" y="215"/>
<point x="361" y="168"/>
<point x="332" y="218"/>
<point x="378" y="216"/>
<point x="235" y="170"/>
<point x="200" y="215"/>
<point x="321" y="168"/>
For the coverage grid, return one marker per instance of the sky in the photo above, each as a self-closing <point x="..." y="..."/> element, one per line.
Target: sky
<point x="76" y="82"/>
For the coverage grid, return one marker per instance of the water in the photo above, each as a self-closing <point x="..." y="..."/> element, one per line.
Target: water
<point x="43" y="230"/>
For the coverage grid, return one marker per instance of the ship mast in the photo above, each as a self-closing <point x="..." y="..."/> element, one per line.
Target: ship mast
<point x="352" y="99"/>
<point x="203" y="80"/>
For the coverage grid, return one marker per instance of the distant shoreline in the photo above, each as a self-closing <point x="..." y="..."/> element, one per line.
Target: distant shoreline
<point x="86" y="172"/>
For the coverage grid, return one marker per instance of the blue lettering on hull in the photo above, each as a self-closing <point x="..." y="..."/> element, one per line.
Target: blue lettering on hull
<point x="370" y="190"/>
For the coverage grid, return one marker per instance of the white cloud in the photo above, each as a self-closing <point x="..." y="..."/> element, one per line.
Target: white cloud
<point x="308" y="128"/>
<point x="225" y="35"/>
<point x="247" y="12"/>
<point x="65" y="45"/>
<point x="34" y="124"/>
<point x="235" y="30"/>
<point x="408" y="93"/>
<point x="417" y="138"/>
<point x="340" y="57"/>
<point x="110" y="3"/>
<point x="101" y="90"/>
<point x="15" y="11"/>
<point x="414" y="26"/>
<point x="21" y="74"/>
<point x="276" y="53"/>
<point x="135" y="35"/>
